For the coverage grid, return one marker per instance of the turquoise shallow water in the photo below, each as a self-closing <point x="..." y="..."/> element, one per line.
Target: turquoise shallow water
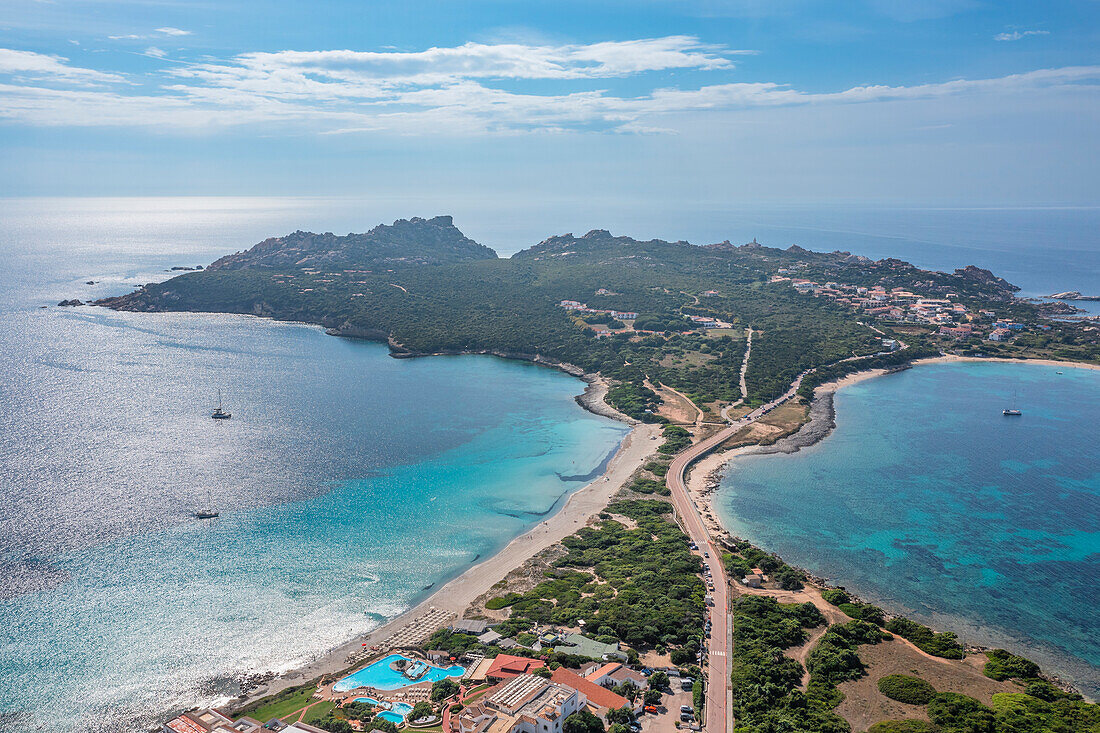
<point x="927" y="500"/>
<point x="349" y="483"/>
<point x="379" y="675"/>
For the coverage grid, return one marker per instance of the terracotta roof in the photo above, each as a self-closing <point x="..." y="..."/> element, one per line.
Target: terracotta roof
<point x="605" y="669"/>
<point x="506" y="665"/>
<point x="184" y="724"/>
<point x="598" y="696"/>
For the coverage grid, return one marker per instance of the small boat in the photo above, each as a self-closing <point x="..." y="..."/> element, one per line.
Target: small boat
<point x="208" y="511"/>
<point x="1011" y="412"/>
<point x="219" y="413"/>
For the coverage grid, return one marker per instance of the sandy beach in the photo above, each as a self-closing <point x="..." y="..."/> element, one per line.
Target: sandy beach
<point x="452" y="598"/>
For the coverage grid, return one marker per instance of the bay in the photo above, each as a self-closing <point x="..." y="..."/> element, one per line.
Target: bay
<point x="930" y="502"/>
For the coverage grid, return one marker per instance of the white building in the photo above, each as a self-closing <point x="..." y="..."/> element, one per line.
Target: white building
<point x="523" y="704"/>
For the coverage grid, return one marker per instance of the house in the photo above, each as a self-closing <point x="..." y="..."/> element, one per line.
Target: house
<point x="599" y="698"/>
<point x="585" y="647"/>
<point x="999" y="334"/>
<point x="506" y="666"/>
<point x="471" y="626"/>
<point x="604" y="291"/>
<point x="614" y="674"/>
<point x="713" y="293"/>
<point x="524" y="704"/>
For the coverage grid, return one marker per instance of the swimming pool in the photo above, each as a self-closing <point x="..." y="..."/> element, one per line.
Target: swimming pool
<point x="380" y="676"/>
<point x="395" y="714"/>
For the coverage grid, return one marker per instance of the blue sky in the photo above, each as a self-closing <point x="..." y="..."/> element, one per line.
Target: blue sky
<point x="660" y="102"/>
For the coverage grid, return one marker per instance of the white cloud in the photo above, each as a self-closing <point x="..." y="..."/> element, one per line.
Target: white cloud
<point x="39" y="67"/>
<point x="155" y="52"/>
<point x="157" y="33"/>
<point x="1017" y="35"/>
<point x="464" y="90"/>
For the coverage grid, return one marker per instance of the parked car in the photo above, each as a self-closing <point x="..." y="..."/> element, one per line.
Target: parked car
<point x="686" y="709"/>
<point x="651" y="709"/>
<point x="686" y="717"/>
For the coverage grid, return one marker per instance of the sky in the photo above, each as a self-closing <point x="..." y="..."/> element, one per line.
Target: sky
<point x="657" y="103"/>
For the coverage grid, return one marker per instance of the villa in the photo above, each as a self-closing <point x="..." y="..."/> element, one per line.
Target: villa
<point x="524" y="704"/>
<point x="599" y="699"/>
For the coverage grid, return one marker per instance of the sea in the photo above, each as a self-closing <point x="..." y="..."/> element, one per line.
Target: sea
<point x="349" y="483"/>
<point x="928" y="501"/>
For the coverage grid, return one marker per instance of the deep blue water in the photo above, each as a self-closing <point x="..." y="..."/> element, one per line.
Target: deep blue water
<point x="927" y="500"/>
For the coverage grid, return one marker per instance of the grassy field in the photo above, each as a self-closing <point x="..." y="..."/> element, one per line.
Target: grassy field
<point x="283" y="706"/>
<point x="319" y="711"/>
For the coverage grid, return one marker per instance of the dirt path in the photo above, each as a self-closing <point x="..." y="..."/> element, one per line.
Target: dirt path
<point x="744" y="371"/>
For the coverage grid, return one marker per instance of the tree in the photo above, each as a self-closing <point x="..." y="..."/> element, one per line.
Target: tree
<point x="659" y="680"/>
<point x="622" y="715"/>
<point x="442" y="689"/>
<point x="543" y="672"/>
<point x="420" y="710"/>
<point x="582" y="721"/>
<point x="652" y="697"/>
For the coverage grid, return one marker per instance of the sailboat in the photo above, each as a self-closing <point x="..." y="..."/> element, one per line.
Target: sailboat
<point x="208" y="511"/>
<point x="219" y="413"/>
<point x="1012" y="411"/>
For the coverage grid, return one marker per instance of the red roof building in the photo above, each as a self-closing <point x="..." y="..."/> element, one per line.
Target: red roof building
<point x="506" y="666"/>
<point x="599" y="697"/>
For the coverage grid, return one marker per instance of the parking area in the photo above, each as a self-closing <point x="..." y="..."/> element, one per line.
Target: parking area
<point x="665" y="721"/>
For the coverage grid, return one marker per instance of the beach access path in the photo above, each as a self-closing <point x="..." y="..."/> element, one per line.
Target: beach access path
<point x="454" y="597"/>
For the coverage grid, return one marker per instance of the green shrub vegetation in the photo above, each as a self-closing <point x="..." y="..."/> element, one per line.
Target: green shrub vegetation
<point x="1003" y="665"/>
<point x="906" y="689"/>
<point x="944" y="644"/>
<point x="742" y="557"/>
<point x="903" y="726"/>
<point x="639" y="586"/>
<point x="502" y="601"/>
<point x="766" y="697"/>
<point x="1017" y="712"/>
<point x="835" y="596"/>
<point x="956" y="713"/>
<point x="676" y="439"/>
<point x="834" y="660"/>
<point x="864" y="612"/>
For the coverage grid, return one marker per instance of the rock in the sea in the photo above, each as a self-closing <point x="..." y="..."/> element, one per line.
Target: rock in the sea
<point x="72" y="302"/>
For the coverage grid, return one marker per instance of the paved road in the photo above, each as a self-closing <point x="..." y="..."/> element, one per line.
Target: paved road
<point x="717" y="717"/>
